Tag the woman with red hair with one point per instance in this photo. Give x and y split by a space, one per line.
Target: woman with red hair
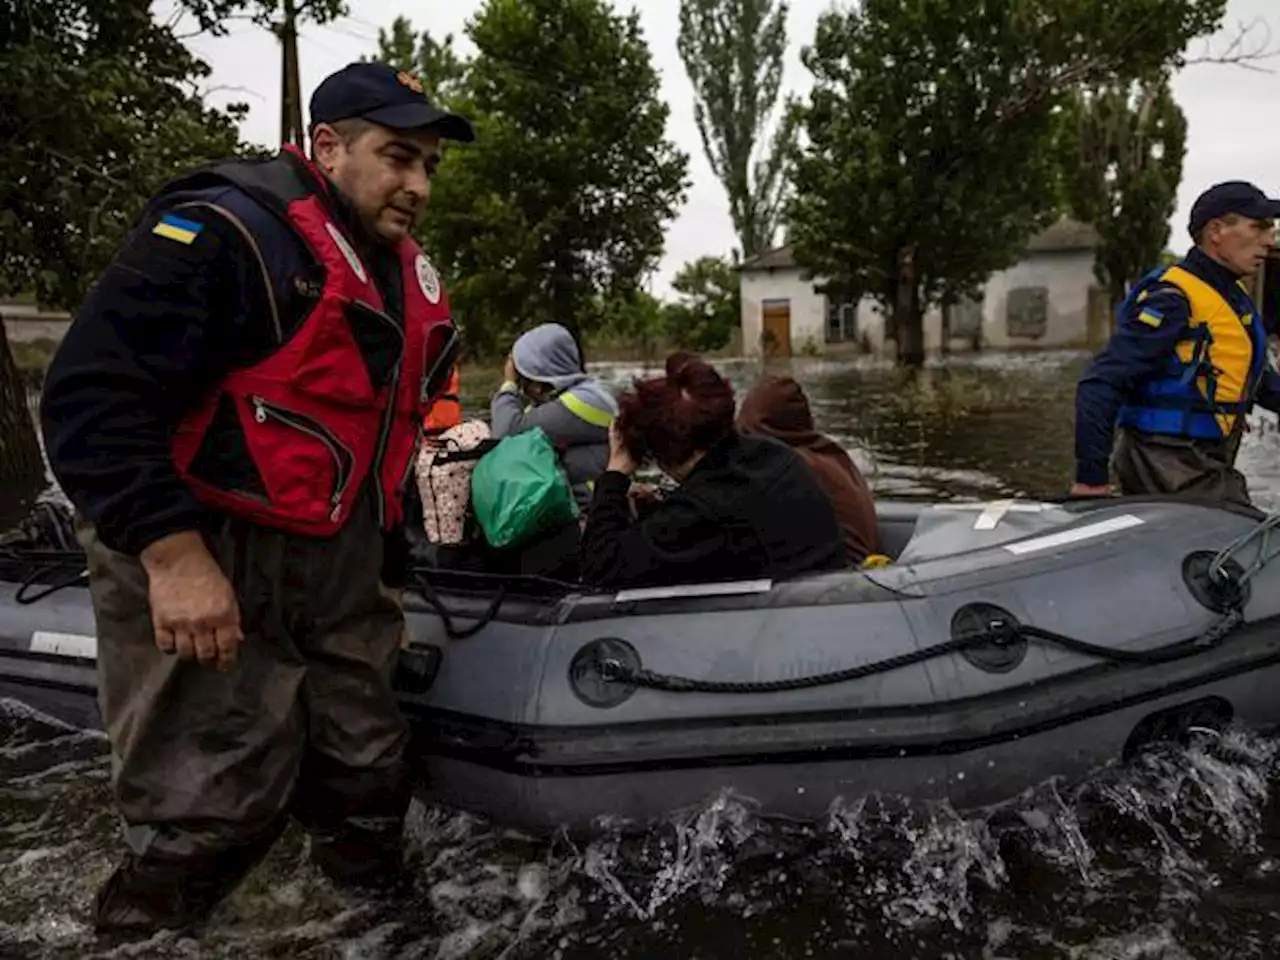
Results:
746 507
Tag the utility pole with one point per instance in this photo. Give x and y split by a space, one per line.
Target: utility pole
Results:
290 85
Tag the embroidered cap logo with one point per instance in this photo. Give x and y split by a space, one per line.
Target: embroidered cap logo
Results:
409 80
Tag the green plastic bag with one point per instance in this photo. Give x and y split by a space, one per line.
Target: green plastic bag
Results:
519 492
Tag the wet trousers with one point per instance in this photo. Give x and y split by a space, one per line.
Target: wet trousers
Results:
1154 464
207 767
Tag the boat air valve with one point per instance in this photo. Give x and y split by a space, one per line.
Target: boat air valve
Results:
1220 590
597 670
1004 647
417 667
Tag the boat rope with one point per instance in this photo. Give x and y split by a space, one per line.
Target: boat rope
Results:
420 578
1000 633
55 561
22 596
1217 567
428 593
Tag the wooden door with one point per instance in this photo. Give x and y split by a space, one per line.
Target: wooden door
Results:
775 334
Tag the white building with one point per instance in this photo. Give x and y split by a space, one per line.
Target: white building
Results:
1048 299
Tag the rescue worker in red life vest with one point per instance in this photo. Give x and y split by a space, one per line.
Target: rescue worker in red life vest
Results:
1187 361
234 413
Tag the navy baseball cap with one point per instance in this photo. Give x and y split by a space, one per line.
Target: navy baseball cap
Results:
1234 196
386 96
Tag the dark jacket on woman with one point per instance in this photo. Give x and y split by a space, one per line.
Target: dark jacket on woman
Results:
750 509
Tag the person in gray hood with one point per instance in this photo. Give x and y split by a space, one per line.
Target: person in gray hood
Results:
546 385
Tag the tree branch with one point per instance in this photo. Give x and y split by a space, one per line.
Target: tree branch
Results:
1238 54
201 31
233 88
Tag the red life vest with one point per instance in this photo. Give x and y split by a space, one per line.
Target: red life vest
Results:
315 424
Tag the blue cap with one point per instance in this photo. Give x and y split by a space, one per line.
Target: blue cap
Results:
386 96
1234 196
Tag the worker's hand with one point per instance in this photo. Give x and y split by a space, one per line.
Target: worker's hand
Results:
1089 490
620 458
509 370
642 496
644 493
193 606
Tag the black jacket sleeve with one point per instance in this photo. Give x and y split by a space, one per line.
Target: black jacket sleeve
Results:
662 548
158 329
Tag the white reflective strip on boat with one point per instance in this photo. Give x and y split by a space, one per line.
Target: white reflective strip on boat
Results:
993 511
64 644
734 588
1122 522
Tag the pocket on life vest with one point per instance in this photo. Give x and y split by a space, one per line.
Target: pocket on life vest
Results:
311 469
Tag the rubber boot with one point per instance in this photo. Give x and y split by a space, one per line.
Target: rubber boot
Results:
363 863
155 892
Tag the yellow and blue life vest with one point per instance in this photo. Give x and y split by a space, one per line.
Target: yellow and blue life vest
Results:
1211 378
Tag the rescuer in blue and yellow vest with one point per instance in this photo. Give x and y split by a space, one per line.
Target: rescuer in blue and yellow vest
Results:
1185 364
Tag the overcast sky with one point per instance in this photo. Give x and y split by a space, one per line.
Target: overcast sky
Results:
1234 115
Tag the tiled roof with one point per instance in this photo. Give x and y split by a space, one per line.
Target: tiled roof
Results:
1066 234
779 258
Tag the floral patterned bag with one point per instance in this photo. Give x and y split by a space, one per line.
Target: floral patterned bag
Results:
444 469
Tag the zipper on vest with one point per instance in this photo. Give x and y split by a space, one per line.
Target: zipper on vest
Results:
388 417
413 457
343 459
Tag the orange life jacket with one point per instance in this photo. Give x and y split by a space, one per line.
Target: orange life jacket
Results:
446 409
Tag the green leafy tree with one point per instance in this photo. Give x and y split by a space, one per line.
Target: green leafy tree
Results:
1122 147
560 205
639 321
732 51
930 155
96 111
215 15
709 309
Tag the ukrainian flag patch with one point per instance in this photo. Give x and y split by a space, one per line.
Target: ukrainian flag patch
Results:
173 227
1151 318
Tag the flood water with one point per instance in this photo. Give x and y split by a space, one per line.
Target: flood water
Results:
1173 857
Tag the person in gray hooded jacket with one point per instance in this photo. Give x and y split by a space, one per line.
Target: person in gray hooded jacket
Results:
545 385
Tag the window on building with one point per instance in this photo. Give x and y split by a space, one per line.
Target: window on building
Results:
842 320
965 319
1027 312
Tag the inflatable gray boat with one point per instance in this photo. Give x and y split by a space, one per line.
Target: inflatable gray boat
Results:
1008 642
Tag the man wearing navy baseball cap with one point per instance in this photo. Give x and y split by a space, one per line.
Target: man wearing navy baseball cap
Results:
377 137
1185 364
235 414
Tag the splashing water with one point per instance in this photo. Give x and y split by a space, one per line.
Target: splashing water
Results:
1171 856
